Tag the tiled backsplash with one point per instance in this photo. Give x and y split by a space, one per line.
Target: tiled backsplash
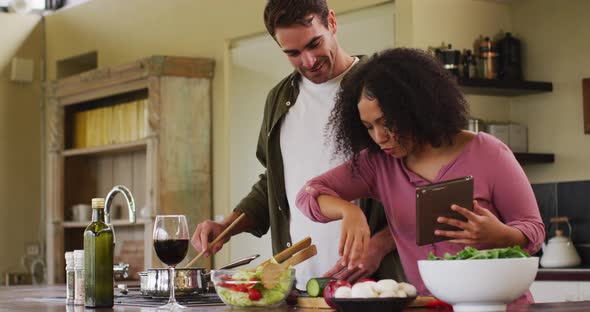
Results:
567 199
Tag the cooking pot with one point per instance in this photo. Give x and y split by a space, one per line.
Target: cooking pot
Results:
187 281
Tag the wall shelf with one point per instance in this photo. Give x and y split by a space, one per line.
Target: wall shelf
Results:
106 149
503 88
534 158
156 139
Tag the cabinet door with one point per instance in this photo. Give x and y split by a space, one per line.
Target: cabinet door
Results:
584 290
556 291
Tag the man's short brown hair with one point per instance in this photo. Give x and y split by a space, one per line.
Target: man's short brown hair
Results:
283 13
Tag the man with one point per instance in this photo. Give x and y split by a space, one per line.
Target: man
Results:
292 147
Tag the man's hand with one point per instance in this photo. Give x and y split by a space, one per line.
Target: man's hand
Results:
379 245
206 232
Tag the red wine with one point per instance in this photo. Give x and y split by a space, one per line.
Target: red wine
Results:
171 251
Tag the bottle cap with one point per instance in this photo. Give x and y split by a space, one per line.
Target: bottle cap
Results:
79 259
98 203
69 255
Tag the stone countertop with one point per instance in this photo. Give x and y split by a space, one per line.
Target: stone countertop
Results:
20 298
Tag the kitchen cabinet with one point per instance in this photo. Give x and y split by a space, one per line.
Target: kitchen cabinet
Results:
493 87
560 291
166 161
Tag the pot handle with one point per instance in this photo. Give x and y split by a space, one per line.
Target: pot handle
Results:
239 262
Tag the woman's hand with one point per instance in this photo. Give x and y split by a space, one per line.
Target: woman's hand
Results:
380 244
354 237
481 227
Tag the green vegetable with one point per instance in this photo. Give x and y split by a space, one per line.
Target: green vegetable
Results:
470 253
315 286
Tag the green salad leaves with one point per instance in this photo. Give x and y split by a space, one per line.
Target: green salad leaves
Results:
470 253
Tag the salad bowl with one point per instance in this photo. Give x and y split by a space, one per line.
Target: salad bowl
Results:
244 288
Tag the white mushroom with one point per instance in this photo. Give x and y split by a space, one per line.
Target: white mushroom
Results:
363 290
388 294
343 292
401 294
386 285
409 289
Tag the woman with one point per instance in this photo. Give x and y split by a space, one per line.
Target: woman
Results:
399 120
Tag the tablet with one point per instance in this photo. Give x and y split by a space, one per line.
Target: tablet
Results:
435 200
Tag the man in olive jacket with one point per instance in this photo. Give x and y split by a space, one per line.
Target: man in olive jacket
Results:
305 31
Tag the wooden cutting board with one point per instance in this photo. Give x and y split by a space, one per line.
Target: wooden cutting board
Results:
312 302
320 303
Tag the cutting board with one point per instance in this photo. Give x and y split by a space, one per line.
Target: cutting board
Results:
320 303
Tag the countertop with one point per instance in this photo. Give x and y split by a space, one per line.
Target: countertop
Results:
22 298
581 273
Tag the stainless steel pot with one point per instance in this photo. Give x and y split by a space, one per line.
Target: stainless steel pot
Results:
187 281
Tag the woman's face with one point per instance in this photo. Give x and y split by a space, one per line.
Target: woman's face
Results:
372 118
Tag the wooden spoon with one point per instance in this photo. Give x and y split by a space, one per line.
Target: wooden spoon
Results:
271 271
217 239
285 254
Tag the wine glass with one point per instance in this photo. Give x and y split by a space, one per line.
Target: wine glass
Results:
171 240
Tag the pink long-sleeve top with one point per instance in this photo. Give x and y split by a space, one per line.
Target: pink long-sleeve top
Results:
500 185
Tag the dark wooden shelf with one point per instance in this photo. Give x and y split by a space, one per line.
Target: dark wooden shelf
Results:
534 158
503 87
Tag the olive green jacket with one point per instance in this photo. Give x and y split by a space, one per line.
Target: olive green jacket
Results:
267 201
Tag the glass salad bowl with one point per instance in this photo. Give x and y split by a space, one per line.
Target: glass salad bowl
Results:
244 287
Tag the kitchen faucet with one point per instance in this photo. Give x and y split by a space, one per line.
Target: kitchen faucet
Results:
109 200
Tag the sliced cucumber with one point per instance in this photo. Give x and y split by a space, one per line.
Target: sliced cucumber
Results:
315 286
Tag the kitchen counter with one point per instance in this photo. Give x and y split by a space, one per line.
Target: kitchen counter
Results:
564 274
22 298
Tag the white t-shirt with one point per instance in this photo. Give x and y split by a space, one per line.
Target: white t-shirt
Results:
307 153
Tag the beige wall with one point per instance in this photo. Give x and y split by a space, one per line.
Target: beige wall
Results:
556 41
122 31
20 141
427 23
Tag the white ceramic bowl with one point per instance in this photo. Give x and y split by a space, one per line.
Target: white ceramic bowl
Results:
478 285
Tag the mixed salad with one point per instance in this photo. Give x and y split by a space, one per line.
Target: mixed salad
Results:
245 289
470 253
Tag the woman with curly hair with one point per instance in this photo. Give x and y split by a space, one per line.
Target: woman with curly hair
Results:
399 120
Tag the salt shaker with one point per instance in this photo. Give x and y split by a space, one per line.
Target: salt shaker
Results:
70 277
79 277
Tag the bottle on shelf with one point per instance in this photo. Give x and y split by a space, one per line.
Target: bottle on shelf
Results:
487 60
469 65
509 63
98 259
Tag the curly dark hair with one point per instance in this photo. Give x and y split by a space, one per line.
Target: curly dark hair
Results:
420 100
282 13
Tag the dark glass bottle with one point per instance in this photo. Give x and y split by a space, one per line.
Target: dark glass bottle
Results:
98 259
466 64
509 63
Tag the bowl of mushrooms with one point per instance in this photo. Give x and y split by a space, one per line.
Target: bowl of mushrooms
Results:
368 295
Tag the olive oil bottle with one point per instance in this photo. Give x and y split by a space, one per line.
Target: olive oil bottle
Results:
98 259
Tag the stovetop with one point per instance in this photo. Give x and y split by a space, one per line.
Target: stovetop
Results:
135 298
